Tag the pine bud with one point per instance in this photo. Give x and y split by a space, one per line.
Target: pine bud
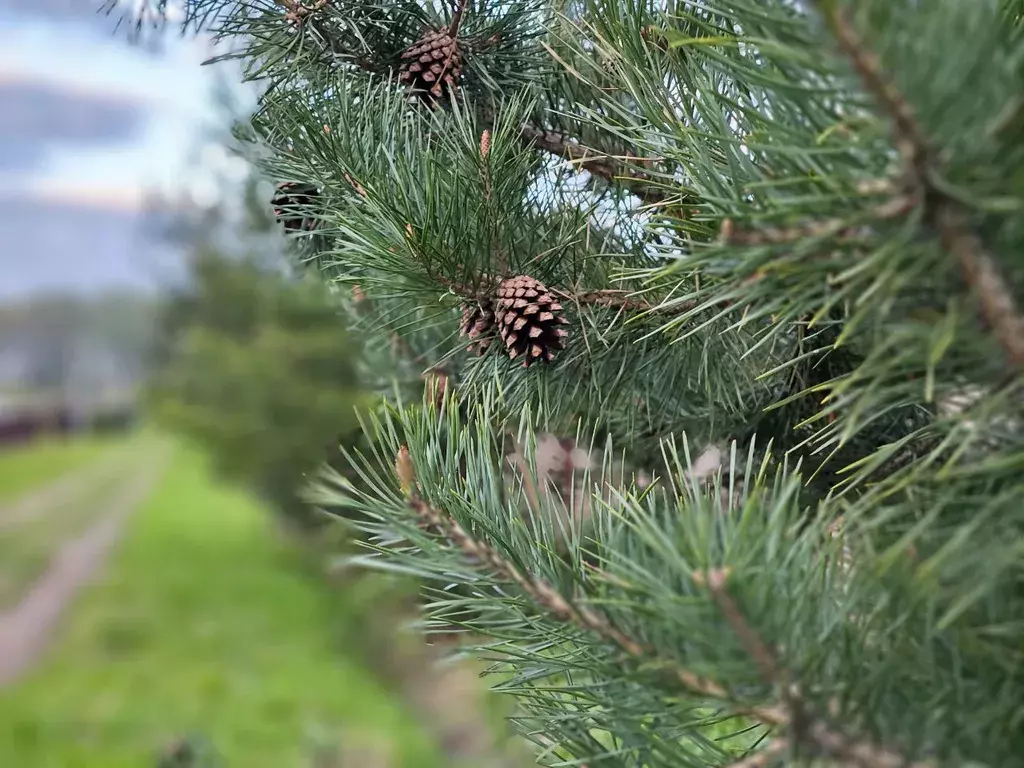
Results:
485 143
437 386
726 232
405 470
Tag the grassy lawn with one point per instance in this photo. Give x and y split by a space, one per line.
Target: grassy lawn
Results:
23 469
205 624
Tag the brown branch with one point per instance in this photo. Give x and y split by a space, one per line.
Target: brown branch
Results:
981 272
790 713
610 169
754 645
616 299
604 297
549 599
833 742
460 8
893 208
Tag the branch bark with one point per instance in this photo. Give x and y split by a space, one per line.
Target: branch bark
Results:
804 726
949 217
611 170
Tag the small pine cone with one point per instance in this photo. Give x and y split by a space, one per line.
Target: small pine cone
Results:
430 64
479 325
291 203
528 320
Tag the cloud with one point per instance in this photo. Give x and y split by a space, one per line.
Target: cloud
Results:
38 117
74 11
93 13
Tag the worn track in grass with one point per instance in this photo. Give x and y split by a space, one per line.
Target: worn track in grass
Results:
26 629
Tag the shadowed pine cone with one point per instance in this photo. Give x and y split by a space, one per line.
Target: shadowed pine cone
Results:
430 64
478 323
528 320
291 203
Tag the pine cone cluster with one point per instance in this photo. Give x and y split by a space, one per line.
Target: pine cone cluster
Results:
291 203
430 64
524 315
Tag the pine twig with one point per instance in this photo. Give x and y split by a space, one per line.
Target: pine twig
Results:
790 714
609 169
981 271
804 726
617 299
754 645
893 208
456 22
548 598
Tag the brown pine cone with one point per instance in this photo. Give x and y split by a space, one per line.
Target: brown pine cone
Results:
292 201
478 323
528 319
431 64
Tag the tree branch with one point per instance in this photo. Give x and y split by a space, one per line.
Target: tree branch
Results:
611 170
893 208
804 727
828 740
981 272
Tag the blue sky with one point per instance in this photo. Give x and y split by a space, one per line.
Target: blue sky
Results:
89 121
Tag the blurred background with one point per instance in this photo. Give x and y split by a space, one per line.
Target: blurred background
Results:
169 382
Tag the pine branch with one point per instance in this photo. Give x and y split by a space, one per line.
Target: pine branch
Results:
790 714
610 298
805 727
981 271
607 168
617 299
456 22
893 208
611 170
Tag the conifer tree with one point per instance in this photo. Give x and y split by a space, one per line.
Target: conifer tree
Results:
787 234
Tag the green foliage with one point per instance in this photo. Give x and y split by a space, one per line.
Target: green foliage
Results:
800 220
262 372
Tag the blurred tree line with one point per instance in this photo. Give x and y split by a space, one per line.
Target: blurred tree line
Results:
52 342
254 361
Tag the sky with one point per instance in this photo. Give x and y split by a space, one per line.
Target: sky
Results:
91 127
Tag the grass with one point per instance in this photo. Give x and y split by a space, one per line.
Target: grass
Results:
26 548
23 469
28 543
206 624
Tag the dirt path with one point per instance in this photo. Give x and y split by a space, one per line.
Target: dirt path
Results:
27 628
64 490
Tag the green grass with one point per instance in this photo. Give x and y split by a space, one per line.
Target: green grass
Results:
23 469
206 624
